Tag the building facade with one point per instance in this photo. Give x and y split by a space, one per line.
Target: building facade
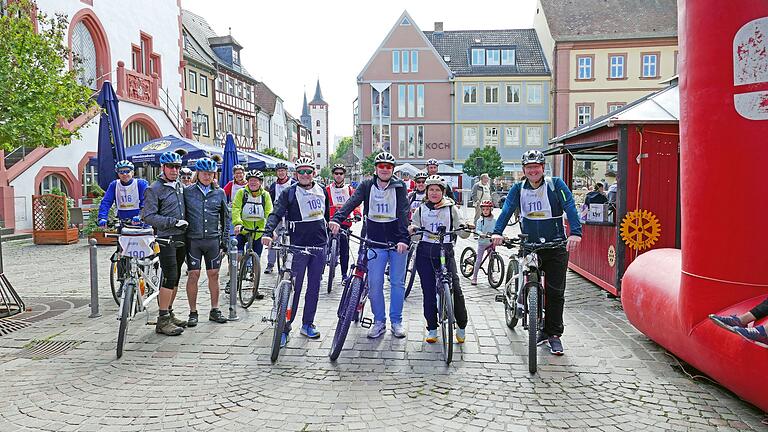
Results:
318 111
199 79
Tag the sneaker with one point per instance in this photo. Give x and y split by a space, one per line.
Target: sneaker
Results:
431 336
179 322
757 334
474 282
192 321
727 322
461 335
398 331
543 337
166 327
283 340
269 269
377 329
216 316
309 331
555 346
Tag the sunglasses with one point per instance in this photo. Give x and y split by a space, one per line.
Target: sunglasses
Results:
338 173
305 171
173 166
186 177
124 172
384 166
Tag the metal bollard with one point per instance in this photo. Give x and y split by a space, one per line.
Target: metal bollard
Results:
94 280
233 280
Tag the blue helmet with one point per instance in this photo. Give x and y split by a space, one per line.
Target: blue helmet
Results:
206 164
170 157
123 164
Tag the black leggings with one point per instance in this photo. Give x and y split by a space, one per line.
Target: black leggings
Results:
171 260
760 311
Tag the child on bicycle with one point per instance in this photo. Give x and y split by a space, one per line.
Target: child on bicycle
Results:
251 206
483 225
438 211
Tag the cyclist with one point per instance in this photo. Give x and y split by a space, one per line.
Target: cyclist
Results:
164 210
438 211
419 193
185 175
237 183
542 201
339 193
251 206
432 170
207 234
305 206
277 187
386 212
483 225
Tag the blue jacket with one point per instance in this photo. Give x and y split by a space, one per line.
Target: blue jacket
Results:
208 215
302 234
109 200
561 201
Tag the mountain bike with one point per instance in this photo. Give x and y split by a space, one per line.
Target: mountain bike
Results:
410 267
334 240
355 294
524 293
495 265
249 271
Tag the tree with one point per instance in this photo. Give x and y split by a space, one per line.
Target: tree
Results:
492 163
367 164
345 145
325 172
272 152
39 91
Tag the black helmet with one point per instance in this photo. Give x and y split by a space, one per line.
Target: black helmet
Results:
281 165
533 156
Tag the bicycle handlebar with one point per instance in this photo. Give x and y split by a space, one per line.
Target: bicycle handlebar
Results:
373 243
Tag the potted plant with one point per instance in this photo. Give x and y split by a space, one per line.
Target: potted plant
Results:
92 228
51 223
94 191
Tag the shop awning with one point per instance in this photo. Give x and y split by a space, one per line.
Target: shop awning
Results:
596 149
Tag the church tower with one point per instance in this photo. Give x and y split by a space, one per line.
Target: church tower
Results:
318 112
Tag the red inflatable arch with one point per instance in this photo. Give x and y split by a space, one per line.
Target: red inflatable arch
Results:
722 267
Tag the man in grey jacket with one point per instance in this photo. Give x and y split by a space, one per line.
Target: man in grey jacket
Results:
209 221
164 210
481 191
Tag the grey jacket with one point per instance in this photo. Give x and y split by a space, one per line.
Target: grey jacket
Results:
208 215
164 206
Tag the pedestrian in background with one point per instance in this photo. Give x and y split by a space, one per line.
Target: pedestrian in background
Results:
481 191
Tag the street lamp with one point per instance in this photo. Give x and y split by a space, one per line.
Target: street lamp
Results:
197 120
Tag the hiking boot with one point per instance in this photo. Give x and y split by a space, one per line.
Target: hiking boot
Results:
192 321
166 327
555 345
461 335
757 334
431 336
216 316
309 331
727 322
541 338
398 330
177 321
269 269
377 329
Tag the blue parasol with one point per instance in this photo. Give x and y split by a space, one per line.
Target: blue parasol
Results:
111 148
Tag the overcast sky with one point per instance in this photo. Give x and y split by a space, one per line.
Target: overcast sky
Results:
290 44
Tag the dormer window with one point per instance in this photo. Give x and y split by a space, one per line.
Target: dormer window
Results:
493 56
507 57
478 57
235 57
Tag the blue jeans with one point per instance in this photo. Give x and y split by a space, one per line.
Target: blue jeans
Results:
376 266
313 266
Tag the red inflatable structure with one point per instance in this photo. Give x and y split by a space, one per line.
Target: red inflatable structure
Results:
722 266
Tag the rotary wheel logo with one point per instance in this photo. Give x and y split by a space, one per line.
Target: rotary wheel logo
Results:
640 229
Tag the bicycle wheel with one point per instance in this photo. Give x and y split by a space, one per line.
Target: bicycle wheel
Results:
446 322
351 299
333 259
495 270
511 294
248 279
126 307
114 283
410 271
284 296
533 321
467 266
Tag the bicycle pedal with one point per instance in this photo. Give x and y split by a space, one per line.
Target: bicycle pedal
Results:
366 323
499 298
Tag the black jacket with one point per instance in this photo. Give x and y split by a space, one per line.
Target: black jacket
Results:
303 233
208 215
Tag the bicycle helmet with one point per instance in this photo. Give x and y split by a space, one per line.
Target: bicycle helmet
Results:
238 167
433 162
384 157
533 156
254 174
436 180
185 172
206 165
305 162
123 164
339 166
420 176
170 158
281 165
486 203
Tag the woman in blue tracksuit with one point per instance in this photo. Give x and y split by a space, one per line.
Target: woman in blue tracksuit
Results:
305 206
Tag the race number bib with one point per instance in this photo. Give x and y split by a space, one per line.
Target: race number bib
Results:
311 203
534 204
433 220
417 201
253 209
127 197
137 246
339 195
382 205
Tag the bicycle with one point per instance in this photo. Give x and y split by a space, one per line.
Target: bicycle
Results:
332 260
118 269
249 271
445 317
141 248
355 294
524 292
282 294
495 270
410 269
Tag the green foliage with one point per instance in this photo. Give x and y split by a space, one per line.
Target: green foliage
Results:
325 172
345 146
492 165
95 191
39 90
272 152
367 165
92 224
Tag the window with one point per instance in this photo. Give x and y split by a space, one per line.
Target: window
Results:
492 57
583 114
533 136
411 101
491 94
404 65
470 93
613 106
491 136
401 145
534 93
401 100
395 61
411 141
414 61
231 86
230 122
317 132
203 85
90 177
239 124
192 82
51 182
135 133
203 125
512 136
513 93
84 49
584 67
617 62
469 136
674 71
235 57
420 141
382 97
478 57
219 121
650 65
318 155
317 123
219 84
248 92
507 57
420 100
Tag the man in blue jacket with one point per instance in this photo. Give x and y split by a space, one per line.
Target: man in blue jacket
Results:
127 193
542 202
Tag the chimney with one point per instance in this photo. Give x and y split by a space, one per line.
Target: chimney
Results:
438 26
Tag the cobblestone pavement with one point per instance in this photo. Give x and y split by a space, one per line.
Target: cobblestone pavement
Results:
611 378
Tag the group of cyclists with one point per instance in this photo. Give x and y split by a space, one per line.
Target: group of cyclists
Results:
199 217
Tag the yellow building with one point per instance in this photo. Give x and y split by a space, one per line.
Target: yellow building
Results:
199 80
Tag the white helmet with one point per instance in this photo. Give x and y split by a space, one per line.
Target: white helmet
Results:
436 180
305 162
384 157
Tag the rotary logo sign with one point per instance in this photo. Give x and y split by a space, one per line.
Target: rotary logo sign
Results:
156 146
